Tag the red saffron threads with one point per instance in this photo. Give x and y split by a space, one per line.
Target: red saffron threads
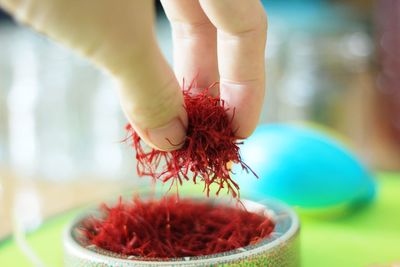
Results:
168 228
209 148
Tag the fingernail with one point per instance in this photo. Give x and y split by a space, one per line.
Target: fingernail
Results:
168 137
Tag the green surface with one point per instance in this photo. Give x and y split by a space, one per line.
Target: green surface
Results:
370 235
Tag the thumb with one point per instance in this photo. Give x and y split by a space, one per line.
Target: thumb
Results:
152 100
118 38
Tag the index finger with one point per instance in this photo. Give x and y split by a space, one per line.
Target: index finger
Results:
242 30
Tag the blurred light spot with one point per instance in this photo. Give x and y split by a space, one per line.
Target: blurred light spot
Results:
21 104
359 44
107 153
27 210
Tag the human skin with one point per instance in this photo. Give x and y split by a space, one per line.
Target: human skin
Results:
214 40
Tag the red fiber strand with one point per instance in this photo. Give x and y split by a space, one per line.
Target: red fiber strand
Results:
168 228
209 148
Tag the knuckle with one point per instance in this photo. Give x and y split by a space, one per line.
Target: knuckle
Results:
193 29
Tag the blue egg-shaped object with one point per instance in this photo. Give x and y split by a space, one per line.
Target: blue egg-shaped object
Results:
302 167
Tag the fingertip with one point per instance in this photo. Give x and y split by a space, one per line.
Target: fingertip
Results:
168 137
244 127
245 101
246 131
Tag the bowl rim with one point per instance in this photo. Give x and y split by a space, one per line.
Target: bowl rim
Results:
70 244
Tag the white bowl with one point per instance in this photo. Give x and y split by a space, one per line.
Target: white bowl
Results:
281 248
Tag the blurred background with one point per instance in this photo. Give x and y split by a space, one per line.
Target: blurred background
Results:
331 63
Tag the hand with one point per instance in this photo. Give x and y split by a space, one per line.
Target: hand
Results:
119 37
222 40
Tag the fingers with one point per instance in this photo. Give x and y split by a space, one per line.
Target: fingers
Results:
242 27
195 42
120 38
152 100
10 5
150 94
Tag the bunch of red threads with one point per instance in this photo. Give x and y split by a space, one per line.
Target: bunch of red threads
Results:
168 228
209 148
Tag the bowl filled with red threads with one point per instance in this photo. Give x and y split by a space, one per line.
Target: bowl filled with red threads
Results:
185 231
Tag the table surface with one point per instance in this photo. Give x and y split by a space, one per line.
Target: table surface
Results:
366 236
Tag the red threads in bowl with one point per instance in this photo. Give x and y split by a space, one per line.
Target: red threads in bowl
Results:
168 228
